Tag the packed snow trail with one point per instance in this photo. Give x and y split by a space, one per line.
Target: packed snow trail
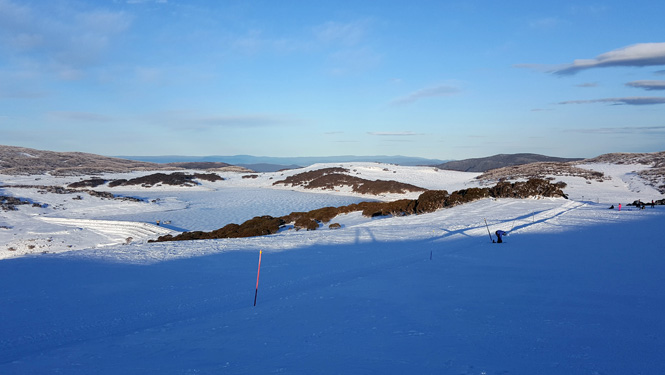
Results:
116 231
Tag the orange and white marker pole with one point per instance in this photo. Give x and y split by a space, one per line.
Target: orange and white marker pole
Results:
256 292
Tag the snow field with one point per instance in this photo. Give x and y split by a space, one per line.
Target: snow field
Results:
575 289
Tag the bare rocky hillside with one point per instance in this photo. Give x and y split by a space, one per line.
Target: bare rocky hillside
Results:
26 161
655 175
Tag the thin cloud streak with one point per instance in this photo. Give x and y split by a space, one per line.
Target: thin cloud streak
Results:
636 55
622 130
398 134
647 85
621 101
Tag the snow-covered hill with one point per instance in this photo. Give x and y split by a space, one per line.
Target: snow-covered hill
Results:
575 289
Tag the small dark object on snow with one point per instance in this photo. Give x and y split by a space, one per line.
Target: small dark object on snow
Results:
611 207
499 234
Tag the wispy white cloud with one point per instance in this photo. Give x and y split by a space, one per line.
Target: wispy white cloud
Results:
394 134
587 84
622 130
637 55
429 92
639 100
647 85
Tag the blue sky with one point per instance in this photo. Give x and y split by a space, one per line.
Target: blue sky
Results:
437 79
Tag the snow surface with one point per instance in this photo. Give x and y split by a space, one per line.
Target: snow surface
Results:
575 289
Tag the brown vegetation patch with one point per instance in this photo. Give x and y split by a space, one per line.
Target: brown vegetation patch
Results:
334 178
304 178
173 179
93 182
258 226
306 223
212 177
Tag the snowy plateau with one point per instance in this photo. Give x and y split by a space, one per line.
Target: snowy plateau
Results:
576 288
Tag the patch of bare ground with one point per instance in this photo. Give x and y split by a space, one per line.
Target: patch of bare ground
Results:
335 178
428 201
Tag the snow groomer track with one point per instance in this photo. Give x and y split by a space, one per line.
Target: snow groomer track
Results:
115 230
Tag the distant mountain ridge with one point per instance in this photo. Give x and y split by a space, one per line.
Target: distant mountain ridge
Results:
500 161
273 164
